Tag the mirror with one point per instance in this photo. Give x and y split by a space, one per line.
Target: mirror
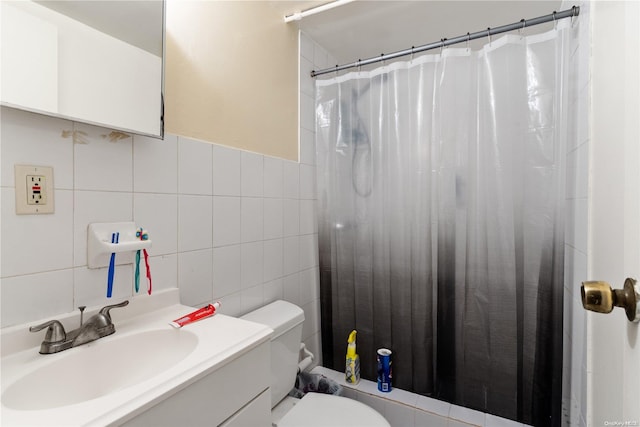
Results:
98 62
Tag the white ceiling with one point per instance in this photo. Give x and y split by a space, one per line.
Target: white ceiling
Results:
364 29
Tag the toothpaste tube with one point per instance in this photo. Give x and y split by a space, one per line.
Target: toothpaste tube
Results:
199 314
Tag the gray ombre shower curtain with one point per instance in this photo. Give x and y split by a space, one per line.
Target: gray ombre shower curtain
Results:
441 222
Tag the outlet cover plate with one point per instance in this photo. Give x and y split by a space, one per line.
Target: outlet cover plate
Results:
24 173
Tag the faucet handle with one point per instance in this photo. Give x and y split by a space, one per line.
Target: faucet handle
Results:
105 310
55 333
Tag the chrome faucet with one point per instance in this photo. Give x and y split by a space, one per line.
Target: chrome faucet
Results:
98 326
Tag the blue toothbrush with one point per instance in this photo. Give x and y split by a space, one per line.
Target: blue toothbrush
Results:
115 237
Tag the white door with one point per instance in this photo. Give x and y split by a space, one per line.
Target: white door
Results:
613 395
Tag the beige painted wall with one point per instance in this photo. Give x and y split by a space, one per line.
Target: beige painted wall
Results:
232 75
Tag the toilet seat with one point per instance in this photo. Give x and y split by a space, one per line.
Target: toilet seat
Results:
323 410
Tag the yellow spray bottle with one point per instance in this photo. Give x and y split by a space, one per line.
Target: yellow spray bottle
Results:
352 371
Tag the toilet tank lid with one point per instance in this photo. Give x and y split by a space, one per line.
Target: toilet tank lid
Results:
280 316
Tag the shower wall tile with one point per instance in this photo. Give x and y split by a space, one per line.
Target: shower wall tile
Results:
273 177
273 219
158 214
309 221
291 188
492 420
466 415
44 145
291 255
226 220
272 260
195 277
320 57
195 167
24 297
226 171
306 47
308 251
307 110
252 298
226 270
194 224
576 224
251 174
196 237
231 305
54 231
314 345
164 273
306 84
90 286
311 319
102 162
438 407
273 291
155 169
300 218
251 263
291 217
252 219
291 289
576 242
307 182
309 285
307 147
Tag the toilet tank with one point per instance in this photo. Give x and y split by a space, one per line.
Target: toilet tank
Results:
286 320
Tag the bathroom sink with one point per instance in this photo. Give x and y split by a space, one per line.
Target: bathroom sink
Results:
138 372
99 368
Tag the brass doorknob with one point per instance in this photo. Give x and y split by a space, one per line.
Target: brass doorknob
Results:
599 297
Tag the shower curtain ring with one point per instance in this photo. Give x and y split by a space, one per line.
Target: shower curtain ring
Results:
412 47
555 23
524 24
442 44
573 15
489 35
468 38
359 65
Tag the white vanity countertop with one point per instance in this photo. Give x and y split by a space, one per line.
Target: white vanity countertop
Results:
221 339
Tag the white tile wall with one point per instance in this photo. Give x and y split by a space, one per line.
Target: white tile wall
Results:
217 217
251 174
226 171
402 408
576 229
195 167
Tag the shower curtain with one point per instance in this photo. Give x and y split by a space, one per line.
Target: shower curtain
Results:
441 222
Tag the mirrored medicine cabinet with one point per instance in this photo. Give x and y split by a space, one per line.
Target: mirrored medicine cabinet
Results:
97 62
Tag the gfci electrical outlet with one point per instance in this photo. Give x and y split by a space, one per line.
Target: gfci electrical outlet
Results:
34 189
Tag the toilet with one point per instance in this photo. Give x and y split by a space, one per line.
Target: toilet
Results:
314 409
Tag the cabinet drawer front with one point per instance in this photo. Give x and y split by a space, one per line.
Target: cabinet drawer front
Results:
216 397
256 413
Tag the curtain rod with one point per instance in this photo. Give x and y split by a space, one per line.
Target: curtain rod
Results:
569 13
297 16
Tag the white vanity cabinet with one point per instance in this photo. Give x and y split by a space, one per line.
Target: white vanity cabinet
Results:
236 394
213 372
